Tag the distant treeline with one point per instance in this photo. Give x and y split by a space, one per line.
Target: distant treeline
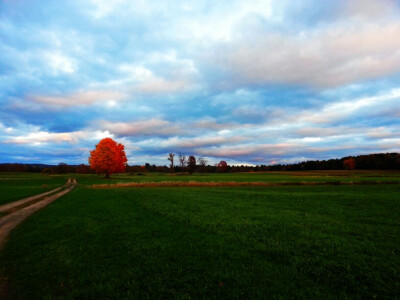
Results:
61 168
380 161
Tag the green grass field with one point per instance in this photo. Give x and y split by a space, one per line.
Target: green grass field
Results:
268 177
15 186
334 241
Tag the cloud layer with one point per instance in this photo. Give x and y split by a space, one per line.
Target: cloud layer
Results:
247 82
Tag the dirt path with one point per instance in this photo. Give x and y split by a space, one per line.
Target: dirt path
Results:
20 210
23 202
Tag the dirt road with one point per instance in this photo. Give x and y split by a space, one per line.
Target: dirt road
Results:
18 211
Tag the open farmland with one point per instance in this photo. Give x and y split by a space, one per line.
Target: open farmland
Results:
14 186
333 177
319 241
200 149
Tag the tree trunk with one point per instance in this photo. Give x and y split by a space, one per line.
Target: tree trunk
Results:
107 175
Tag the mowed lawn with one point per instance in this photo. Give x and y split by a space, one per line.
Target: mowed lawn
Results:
15 186
203 243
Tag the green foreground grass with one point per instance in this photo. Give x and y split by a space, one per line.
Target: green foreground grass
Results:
291 242
15 186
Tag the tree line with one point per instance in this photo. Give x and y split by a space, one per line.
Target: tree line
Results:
190 164
378 161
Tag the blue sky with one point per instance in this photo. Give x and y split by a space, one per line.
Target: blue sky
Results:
249 82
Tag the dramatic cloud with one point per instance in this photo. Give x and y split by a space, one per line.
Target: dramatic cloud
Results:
246 81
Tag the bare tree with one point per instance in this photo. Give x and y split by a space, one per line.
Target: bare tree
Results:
182 161
171 159
202 163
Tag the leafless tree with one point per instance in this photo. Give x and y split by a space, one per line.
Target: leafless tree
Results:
182 161
202 164
171 159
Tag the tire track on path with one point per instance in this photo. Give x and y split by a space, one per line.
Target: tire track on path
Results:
18 211
22 209
23 202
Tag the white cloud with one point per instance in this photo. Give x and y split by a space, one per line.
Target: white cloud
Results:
371 9
202 141
136 73
59 62
39 137
381 133
219 22
34 135
253 149
213 124
161 86
79 98
324 57
102 8
342 110
156 127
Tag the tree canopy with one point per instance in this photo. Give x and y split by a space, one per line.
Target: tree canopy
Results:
222 166
191 163
349 164
108 157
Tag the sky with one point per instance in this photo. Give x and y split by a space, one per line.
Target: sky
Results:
248 82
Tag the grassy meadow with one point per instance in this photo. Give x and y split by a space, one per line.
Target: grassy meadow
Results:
15 186
312 242
267 177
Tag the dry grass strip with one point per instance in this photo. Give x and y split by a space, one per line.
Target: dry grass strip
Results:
233 184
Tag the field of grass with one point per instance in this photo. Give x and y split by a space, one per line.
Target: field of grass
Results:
249 242
15 186
267 177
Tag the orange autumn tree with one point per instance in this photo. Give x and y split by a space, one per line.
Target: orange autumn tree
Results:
108 157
